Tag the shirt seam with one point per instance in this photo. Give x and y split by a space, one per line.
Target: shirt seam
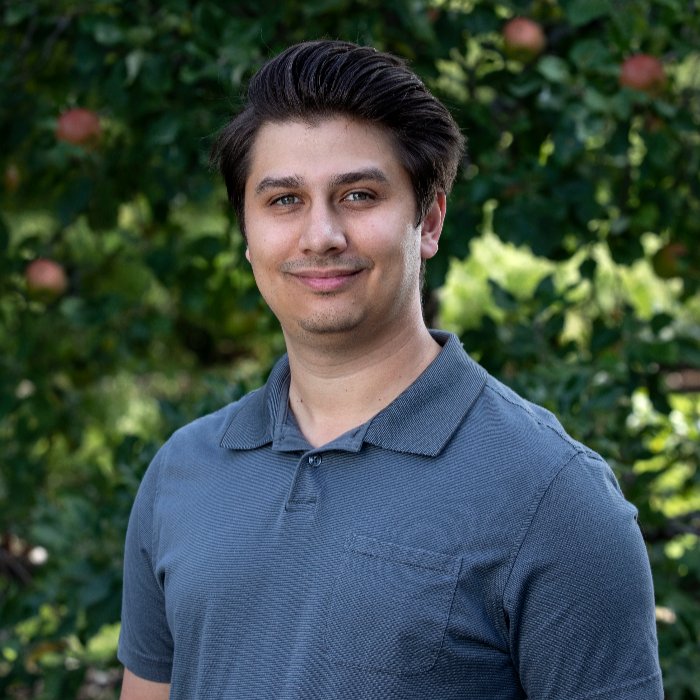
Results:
617 688
563 436
403 561
166 663
530 518
156 500
577 448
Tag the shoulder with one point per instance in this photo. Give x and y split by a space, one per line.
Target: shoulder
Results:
518 415
519 439
516 452
197 442
209 430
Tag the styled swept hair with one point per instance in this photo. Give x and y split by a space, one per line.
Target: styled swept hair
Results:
317 80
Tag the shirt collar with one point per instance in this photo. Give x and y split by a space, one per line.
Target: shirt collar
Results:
421 420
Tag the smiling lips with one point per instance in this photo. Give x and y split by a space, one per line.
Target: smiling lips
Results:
326 279
325 275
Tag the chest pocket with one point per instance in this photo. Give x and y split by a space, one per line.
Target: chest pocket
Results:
390 606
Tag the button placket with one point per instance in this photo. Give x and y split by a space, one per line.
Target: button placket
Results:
304 490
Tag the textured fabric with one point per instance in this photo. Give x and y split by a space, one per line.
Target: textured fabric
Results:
458 545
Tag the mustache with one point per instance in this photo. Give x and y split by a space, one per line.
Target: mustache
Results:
343 263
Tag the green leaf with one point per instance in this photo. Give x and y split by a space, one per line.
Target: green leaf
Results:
133 61
597 101
554 69
164 131
590 54
580 12
17 12
108 33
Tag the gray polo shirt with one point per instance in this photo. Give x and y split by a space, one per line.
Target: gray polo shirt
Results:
457 545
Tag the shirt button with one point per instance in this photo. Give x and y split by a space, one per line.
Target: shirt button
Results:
315 461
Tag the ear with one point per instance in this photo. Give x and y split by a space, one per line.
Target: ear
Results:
247 253
431 227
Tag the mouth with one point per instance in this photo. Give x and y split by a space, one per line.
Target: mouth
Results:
326 279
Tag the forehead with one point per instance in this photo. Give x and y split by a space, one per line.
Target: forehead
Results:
321 146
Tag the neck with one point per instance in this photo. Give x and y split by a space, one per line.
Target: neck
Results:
336 387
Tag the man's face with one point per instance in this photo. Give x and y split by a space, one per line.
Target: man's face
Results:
330 226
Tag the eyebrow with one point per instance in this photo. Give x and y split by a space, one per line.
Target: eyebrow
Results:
269 183
373 174
294 181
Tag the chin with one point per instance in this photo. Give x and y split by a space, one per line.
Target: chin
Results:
329 325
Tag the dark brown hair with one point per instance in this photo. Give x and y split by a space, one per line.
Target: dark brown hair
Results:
321 79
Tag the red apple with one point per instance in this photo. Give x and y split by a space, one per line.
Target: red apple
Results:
523 38
669 261
46 279
78 126
12 178
643 72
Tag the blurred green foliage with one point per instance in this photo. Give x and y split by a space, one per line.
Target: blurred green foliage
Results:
569 266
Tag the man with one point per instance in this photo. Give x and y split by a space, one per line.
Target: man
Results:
382 519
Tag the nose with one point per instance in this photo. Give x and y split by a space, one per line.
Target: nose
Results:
323 231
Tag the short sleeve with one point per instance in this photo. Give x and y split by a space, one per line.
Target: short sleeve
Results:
579 599
145 642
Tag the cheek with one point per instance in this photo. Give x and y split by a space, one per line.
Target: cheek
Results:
411 246
260 248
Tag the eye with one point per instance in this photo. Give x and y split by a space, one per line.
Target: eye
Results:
286 200
358 197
